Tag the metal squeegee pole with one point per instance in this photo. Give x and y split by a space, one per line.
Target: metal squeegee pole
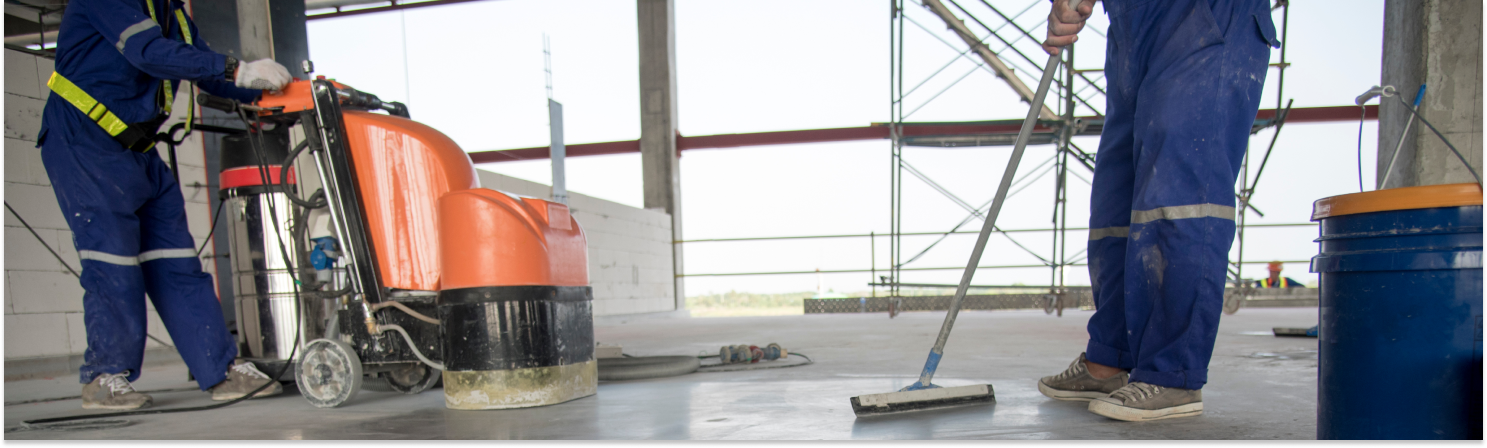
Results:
991 216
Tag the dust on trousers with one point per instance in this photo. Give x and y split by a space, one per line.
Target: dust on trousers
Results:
1184 84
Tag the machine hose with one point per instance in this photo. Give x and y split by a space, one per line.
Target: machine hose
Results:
411 345
405 309
284 178
646 367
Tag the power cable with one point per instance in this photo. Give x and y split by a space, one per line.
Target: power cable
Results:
1437 134
64 262
1361 117
735 367
216 216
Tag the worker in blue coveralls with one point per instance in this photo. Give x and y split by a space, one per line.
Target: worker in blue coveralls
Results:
1184 81
118 65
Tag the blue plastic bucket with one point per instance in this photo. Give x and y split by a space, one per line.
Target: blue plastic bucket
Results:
1400 346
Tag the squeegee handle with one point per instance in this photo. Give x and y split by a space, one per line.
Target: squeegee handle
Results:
1023 135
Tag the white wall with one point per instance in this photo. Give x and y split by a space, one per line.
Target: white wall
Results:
43 302
629 248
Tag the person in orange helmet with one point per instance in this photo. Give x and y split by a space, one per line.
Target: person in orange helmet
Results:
1276 281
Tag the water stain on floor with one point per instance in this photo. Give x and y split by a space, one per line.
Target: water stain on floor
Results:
1293 354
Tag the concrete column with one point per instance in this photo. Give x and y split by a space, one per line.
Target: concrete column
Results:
1437 43
247 30
658 130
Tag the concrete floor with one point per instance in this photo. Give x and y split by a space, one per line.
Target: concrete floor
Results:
1261 387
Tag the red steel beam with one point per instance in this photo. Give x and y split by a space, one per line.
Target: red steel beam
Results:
586 149
875 132
1323 114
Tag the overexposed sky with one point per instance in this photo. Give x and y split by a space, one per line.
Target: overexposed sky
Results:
475 71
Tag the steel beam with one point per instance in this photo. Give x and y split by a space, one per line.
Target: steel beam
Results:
878 131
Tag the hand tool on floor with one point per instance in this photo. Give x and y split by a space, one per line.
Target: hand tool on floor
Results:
1296 331
923 395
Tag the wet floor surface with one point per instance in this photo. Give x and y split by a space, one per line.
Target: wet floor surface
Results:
1260 387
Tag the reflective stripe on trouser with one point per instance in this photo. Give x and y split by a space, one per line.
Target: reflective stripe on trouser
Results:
1182 95
128 221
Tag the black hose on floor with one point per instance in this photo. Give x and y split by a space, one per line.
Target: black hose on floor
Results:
646 367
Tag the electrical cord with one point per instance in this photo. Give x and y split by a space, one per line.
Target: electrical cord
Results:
46 423
1437 134
216 216
38 239
752 366
1363 116
64 262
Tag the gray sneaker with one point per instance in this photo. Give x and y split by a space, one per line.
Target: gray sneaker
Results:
1076 384
113 391
242 378
1139 402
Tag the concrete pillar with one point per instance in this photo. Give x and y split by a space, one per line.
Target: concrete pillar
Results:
1437 43
658 152
247 30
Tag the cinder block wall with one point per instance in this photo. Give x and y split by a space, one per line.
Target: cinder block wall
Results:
43 302
629 248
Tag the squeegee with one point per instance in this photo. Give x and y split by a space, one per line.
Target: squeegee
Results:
923 394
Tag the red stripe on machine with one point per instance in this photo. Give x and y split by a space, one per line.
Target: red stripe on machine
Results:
251 176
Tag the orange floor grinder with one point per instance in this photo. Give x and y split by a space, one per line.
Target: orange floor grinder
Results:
419 275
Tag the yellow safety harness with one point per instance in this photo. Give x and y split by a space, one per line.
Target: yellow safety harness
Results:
132 136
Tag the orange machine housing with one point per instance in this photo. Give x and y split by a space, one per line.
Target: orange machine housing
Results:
431 226
295 97
403 167
493 239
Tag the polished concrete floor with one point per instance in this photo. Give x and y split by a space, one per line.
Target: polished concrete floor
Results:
1261 387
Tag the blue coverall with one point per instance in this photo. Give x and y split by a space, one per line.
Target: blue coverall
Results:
1184 82
125 210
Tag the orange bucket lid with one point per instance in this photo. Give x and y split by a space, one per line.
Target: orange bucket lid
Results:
1407 198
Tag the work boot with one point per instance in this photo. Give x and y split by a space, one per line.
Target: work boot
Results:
242 378
113 391
1076 384
1138 401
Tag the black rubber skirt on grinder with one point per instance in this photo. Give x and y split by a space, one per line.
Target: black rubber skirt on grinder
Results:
517 346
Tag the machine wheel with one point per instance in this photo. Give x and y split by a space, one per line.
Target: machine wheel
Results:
329 373
1050 304
1232 300
412 378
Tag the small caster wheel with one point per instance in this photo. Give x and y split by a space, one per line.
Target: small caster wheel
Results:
1232 301
1050 304
412 378
329 373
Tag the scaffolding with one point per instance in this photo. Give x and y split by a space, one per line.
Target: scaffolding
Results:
1075 91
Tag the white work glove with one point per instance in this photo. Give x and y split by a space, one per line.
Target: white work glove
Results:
262 74
1064 24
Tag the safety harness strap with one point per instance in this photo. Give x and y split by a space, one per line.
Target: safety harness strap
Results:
134 137
138 136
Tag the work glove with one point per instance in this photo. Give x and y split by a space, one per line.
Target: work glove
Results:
1064 24
262 74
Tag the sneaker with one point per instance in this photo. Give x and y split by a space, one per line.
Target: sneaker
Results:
1141 402
1076 384
113 391
242 378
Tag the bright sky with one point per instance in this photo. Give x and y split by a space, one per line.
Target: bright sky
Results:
475 71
